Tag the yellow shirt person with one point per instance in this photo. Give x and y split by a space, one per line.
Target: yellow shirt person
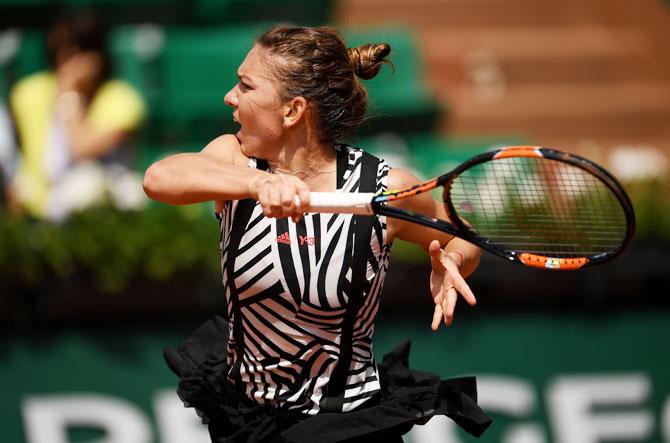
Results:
41 115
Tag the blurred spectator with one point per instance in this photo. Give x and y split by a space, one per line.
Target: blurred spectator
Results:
69 118
8 152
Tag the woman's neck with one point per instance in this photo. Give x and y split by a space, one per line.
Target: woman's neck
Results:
314 163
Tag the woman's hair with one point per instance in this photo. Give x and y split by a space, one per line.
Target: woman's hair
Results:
316 64
80 31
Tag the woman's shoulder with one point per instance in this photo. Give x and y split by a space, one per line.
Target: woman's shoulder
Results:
356 152
347 147
40 85
226 149
118 86
37 78
117 105
399 178
396 177
122 92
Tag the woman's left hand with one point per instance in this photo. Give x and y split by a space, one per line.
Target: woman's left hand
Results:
446 283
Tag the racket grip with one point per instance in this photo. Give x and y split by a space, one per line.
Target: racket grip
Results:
359 203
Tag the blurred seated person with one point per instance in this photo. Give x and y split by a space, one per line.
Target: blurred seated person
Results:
8 153
70 116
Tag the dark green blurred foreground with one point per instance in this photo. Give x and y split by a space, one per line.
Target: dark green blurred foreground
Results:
560 378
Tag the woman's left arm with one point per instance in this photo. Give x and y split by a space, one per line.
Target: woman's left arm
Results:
451 258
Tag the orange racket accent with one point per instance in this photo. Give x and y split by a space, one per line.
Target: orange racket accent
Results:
422 187
542 262
519 151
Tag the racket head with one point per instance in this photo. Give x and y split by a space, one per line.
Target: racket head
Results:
540 207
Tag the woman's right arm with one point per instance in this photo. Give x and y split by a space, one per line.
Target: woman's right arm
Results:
219 172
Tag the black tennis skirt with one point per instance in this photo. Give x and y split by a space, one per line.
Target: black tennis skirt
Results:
407 398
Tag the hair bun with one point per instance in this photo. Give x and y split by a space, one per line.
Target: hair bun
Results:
366 60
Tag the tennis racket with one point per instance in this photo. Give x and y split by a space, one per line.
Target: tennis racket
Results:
536 206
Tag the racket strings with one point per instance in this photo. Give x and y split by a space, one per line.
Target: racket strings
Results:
540 206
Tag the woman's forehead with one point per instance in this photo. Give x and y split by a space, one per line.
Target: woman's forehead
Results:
257 64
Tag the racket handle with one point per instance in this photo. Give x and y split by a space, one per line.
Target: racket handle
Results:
341 202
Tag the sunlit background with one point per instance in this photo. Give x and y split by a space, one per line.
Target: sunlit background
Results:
92 291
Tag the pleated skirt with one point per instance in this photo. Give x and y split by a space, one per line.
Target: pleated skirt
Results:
407 397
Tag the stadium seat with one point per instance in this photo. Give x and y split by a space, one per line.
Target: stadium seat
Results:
192 69
429 155
185 77
303 12
38 13
25 53
399 101
435 155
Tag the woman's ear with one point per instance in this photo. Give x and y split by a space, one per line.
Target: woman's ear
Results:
294 111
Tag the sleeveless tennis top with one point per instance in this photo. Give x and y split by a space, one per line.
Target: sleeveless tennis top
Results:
288 289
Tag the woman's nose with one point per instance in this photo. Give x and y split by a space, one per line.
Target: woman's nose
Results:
231 98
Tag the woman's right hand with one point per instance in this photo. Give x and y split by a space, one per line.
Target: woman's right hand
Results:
277 195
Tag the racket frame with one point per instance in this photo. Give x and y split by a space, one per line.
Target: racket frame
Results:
458 228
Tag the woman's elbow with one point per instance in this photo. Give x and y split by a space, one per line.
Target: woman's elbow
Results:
154 183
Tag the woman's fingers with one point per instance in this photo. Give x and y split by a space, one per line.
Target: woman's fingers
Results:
446 283
445 304
288 192
437 317
263 197
275 202
449 305
277 195
303 196
301 199
463 288
435 251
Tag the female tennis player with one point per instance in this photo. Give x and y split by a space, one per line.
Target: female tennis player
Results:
293 360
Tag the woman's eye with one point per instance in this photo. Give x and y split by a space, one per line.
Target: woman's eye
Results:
244 86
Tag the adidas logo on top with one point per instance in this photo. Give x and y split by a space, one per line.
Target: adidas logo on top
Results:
303 239
284 238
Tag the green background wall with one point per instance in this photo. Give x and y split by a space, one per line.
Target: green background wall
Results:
533 369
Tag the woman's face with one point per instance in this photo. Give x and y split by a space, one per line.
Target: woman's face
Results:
257 106
80 70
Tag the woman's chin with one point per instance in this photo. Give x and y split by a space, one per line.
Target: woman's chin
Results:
245 149
240 139
250 147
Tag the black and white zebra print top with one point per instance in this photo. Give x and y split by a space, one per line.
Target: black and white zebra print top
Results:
287 287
